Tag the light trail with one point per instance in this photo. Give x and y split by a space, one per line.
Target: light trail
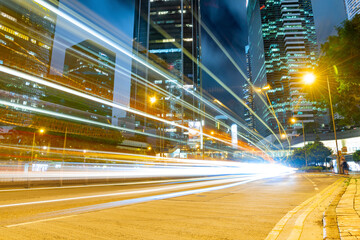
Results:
115 184
152 190
157 189
136 58
92 98
218 81
102 206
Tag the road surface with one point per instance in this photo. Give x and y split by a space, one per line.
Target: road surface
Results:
222 207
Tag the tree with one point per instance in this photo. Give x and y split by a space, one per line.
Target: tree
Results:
340 62
316 153
356 156
297 158
313 153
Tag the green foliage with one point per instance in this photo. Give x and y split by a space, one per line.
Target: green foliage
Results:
356 156
297 159
340 61
314 153
312 168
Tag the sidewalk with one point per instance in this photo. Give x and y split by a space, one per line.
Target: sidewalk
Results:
335 211
348 211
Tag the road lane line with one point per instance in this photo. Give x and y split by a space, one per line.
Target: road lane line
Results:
313 183
102 206
212 182
275 232
37 221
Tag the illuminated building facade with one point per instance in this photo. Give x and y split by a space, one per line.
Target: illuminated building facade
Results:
167 34
248 93
26 36
93 67
352 8
26 41
283 47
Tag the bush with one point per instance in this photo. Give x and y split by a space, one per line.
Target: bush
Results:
312 168
356 156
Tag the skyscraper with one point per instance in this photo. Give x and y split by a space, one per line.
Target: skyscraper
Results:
162 30
248 93
283 48
26 43
352 8
26 36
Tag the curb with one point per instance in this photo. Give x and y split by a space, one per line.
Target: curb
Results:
330 226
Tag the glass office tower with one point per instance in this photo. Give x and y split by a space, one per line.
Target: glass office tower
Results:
167 35
352 8
283 47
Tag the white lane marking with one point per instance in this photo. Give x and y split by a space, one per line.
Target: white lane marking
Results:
37 221
102 185
313 183
145 199
127 193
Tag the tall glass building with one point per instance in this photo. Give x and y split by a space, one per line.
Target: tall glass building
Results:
283 47
167 35
352 8
248 93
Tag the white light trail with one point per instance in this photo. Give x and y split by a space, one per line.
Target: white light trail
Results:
141 61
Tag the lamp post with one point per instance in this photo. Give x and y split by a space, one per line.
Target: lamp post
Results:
41 131
310 79
153 100
293 120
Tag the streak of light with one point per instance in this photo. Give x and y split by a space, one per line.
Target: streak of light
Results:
102 206
61 115
115 184
92 98
143 62
211 74
158 189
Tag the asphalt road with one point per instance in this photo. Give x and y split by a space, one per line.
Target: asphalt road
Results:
180 209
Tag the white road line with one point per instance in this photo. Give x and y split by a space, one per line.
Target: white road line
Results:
144 199
42 220
189 185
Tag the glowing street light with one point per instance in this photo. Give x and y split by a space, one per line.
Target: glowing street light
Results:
212 132
267 87
152 99
283 136
149 148
294 120
41 131
309 78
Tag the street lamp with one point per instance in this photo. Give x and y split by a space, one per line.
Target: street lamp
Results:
310 79
41 131
153 99
293 120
